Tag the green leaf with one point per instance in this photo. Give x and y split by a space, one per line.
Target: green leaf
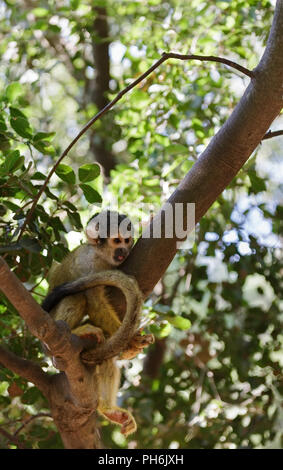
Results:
20 124
22 127
173 166
13 91
258 184
70 206
75 220
151 182
31 396
90 194
15 112
3 126
66 173
179 322
46 136
3 387
139 99
13 161
44 147
56 224
40 12
174 149
74 4
89 172
13 207
161 331
38 176
54 28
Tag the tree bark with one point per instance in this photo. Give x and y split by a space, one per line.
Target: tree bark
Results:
100 48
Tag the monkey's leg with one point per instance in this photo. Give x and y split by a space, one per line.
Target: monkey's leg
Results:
71 309
109 381
100 311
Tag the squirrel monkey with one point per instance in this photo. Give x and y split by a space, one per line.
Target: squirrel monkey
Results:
76 293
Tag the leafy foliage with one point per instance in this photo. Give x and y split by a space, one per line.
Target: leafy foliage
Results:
216 313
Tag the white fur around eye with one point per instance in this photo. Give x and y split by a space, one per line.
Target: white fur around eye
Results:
92 229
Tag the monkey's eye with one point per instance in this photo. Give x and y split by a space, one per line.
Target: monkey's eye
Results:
127 240
117 240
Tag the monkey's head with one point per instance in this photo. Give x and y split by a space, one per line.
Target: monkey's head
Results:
112 234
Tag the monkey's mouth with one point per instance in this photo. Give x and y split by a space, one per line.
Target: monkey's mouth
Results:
119 258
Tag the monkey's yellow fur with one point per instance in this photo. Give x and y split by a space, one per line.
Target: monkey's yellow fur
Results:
84 273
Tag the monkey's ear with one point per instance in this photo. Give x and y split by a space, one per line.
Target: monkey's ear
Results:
92 231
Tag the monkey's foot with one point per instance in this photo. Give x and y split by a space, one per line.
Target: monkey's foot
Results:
89 331
120 416
136 345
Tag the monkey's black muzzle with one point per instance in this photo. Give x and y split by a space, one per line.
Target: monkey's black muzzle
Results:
120 254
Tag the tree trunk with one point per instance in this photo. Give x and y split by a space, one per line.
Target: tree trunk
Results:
100 48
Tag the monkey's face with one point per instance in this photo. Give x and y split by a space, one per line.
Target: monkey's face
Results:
113 250
112 234
120 248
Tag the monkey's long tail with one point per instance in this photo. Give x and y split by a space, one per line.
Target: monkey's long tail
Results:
128 286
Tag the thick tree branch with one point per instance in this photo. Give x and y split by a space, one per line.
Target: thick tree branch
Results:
225 155
72 394
53 334
36 319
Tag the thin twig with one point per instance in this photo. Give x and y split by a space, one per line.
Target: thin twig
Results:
12 439
39 415
165 56
25 368
271 134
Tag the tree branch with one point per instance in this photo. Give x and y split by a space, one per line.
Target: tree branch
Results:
12 439
26 369
165 56
72 394
100 87
226 153
271 134
55 335
31 418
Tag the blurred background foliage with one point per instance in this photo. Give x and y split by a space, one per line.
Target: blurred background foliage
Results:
214 377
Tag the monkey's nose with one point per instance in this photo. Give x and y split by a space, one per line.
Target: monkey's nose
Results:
120 254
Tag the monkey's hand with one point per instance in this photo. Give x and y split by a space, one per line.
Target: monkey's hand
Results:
90 332
136 345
